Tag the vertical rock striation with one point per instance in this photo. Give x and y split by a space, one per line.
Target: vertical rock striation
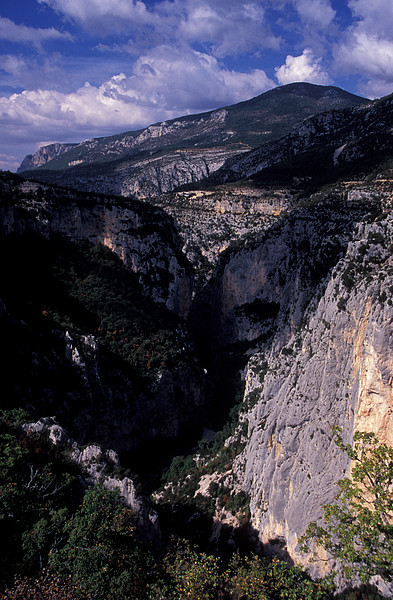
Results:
311 305
334 367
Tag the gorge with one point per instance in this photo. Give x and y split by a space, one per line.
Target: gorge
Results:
231 311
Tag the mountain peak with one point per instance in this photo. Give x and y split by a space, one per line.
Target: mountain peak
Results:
315 92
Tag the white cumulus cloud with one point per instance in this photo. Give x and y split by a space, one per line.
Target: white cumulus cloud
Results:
305 67
366 48
192 81
227 28
8 162
374 17
104 17
370 56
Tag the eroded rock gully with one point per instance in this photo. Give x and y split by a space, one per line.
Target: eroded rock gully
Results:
70 374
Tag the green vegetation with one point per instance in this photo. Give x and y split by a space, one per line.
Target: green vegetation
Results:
181 480
38 489
101 553
58 539
86 290
45 586
358 528
199 576
61 540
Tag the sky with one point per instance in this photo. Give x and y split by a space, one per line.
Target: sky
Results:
71 70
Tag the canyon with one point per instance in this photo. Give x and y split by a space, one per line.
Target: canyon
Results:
277 262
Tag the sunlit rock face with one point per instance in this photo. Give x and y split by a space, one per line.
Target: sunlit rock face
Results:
185 150
310 302
260 292
44 155
333 367
306 301
212 221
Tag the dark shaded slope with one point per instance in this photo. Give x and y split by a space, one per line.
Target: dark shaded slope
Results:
325 147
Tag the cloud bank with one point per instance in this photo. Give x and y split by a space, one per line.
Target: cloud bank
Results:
29 35
366 47
123 102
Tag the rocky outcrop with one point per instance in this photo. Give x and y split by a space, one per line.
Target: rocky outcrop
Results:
145 175
210 221
264 288
253 122
109 405
44 155
99 466
51 369
93 393
170 154
324 144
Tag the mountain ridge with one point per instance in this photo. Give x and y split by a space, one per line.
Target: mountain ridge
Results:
245 125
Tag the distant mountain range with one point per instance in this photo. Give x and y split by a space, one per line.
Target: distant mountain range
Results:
164 156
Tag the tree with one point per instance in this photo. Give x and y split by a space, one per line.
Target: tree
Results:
44 587
102 554
358 527
37 487
190 574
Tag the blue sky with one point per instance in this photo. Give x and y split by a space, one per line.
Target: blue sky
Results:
75 69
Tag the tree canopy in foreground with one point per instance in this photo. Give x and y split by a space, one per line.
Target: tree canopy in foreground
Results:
358 527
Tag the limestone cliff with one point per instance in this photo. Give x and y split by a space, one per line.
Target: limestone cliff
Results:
146 175
99 466
181 151
210 221
321 343
260 291
296 292
324 145
43 155
60 360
